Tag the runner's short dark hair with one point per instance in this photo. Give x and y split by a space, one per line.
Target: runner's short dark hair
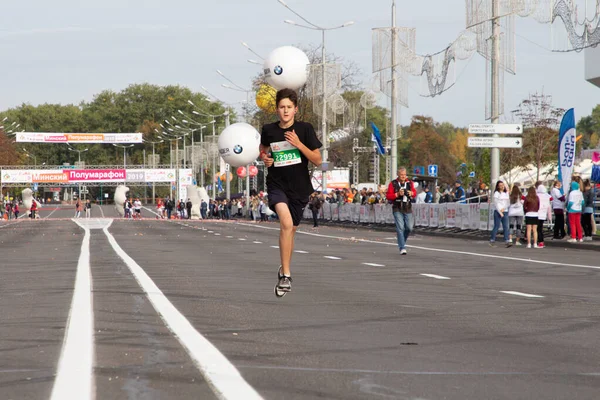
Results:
287 94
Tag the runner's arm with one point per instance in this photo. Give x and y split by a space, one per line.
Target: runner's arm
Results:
314 156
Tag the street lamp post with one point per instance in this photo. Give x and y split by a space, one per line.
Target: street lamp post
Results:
79 159
124 153
154 165
323 80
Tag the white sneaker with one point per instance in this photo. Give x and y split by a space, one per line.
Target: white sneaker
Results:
403 252
528 245
572 241
588 239
535 246
580 240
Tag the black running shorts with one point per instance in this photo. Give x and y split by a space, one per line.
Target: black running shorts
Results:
296 207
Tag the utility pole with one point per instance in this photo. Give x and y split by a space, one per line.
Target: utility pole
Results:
495 64
393 134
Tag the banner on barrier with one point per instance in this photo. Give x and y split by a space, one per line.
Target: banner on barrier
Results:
451 215
49 137
87 175
466 216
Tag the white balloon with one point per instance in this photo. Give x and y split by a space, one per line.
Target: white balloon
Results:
238 144
286 67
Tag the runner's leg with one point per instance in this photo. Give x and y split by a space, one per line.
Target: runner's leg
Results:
286 236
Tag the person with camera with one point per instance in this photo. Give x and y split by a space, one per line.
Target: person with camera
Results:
400 192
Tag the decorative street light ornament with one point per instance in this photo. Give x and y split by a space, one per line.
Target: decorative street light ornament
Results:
286 67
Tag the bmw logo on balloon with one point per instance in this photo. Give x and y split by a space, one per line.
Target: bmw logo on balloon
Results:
237 149
278 70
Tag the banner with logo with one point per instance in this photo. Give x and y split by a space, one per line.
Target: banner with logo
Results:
48 137
160 175
566 150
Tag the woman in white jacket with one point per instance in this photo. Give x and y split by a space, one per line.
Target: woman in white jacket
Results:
516 214
558 205
544 213
500 206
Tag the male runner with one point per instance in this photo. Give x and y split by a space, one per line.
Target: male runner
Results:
286 147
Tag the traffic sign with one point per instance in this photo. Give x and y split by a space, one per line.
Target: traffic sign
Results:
503 142
35 187
419 171
492 129
432 170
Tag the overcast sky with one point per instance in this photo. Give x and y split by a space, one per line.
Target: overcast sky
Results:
66 51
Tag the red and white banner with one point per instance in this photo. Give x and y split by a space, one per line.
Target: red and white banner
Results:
48 137
87 175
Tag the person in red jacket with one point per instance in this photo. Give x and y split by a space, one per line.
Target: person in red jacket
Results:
401 192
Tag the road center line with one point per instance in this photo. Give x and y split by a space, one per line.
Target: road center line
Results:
74 377
467 253
301 251
435 276
521 294
223 378
332 257
373 265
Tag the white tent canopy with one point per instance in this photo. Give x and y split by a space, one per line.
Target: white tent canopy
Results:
527 176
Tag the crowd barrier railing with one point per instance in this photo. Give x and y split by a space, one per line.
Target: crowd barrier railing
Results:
447 215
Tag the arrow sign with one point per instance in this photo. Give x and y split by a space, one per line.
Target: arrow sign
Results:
432 169
490 142
493 129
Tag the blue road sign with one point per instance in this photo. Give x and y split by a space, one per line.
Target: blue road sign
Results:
35 187
432 170
419 171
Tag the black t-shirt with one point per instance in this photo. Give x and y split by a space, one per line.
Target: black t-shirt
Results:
292 179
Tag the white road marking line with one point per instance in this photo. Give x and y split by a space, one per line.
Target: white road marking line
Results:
101 212
217 234
229 237
301 251
391 238
373 265
223 378
332 257
210 232
257 242
435 276
242 239
74 376
559 264
521 294
275 247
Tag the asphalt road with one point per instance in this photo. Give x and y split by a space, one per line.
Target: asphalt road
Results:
155 309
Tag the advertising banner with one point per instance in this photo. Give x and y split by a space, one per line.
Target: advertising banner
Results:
484 213
96 175
160 175
135 175
186 178
49 137
16 176
433 215
451 215
465 222
474 215
566 150
336 179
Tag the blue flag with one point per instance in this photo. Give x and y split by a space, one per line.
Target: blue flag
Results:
220 187
376 137
566 150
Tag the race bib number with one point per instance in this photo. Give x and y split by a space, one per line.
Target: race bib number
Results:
285 154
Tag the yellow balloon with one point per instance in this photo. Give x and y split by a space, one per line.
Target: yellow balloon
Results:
265 99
